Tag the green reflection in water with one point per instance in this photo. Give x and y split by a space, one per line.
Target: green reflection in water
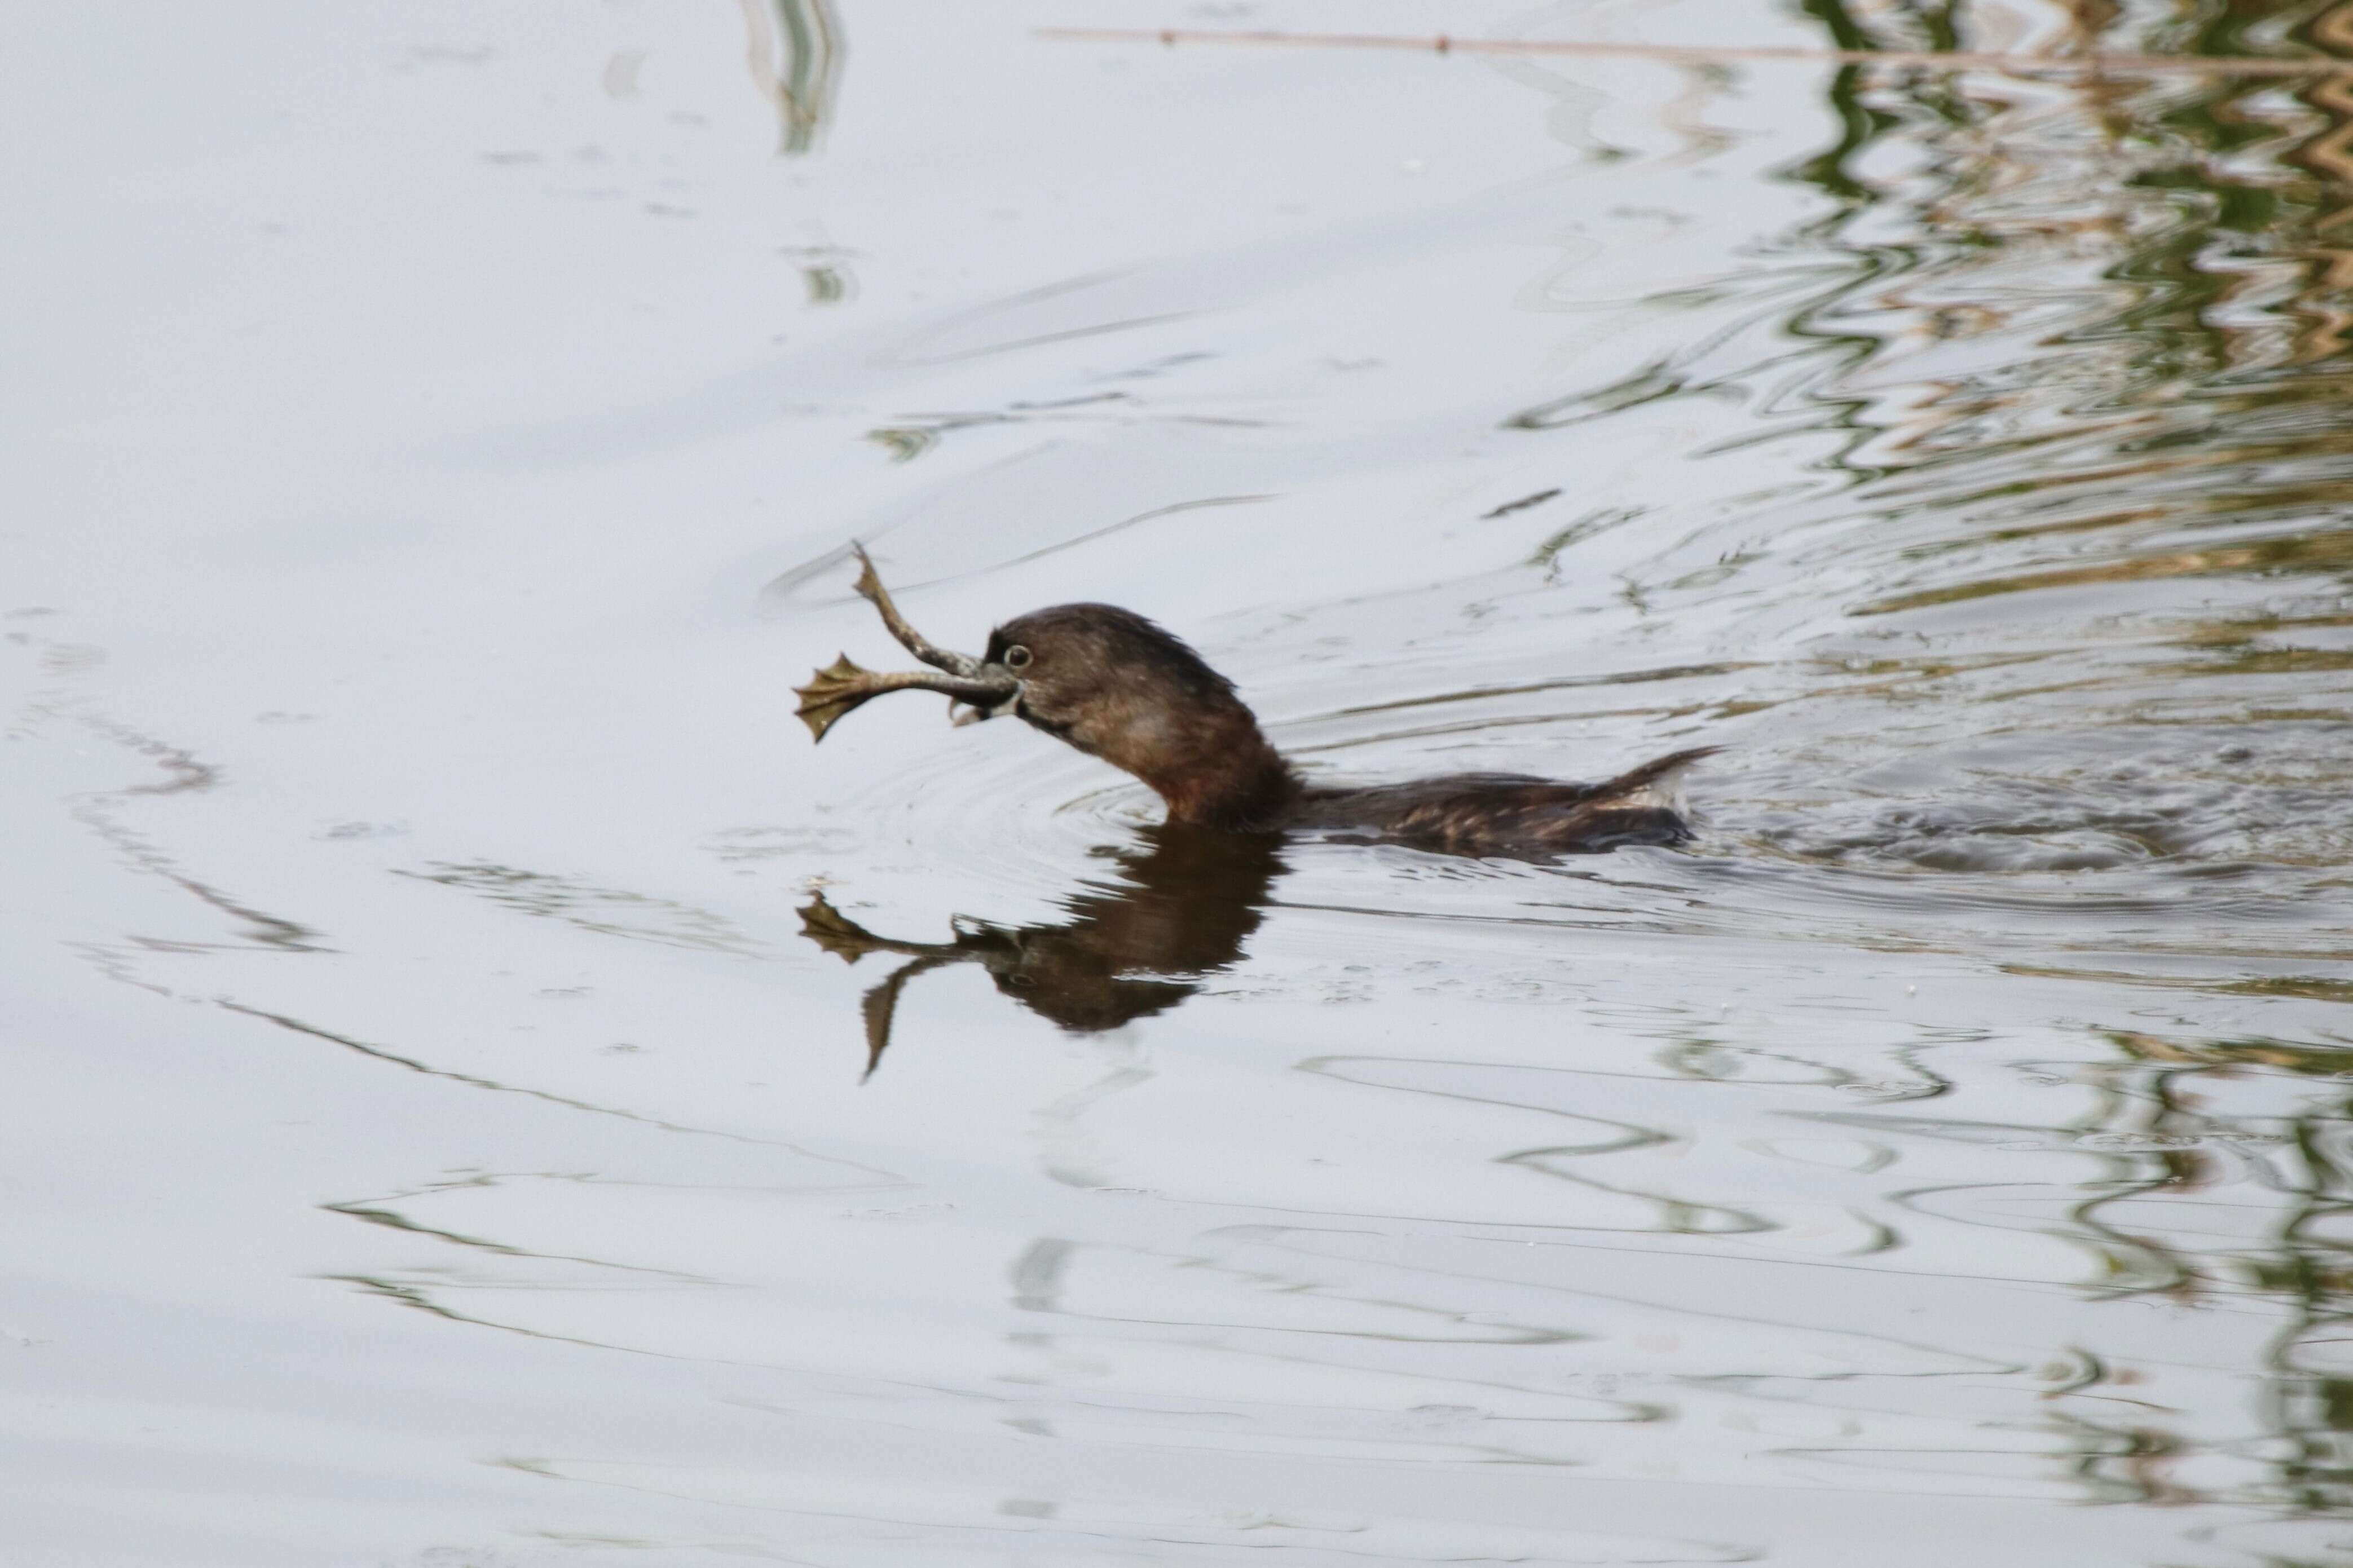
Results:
797 51
2173 1153
2119 312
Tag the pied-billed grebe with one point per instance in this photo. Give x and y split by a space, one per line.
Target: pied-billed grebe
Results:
1118 687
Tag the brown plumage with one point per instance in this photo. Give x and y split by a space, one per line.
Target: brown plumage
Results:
1115 686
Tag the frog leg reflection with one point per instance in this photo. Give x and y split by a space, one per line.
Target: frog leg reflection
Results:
849 941
880 1003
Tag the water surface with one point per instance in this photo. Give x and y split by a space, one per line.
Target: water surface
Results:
487 1093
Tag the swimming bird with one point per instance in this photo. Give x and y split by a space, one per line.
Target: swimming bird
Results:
1119 687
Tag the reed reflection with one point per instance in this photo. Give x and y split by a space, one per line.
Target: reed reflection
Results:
2173 253
1186 901
2155 274
2152 1224
796 49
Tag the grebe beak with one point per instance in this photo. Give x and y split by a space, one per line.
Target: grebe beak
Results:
966 711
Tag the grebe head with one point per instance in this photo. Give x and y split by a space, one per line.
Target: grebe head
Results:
1115 686
1102 679
1106 679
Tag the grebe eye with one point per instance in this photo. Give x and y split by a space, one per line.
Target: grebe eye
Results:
1017 657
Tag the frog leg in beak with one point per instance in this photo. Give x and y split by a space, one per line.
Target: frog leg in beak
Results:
834 692
870 585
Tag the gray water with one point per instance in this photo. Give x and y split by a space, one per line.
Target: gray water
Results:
441 1132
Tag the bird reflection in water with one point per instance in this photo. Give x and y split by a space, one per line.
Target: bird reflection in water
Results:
1185 901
